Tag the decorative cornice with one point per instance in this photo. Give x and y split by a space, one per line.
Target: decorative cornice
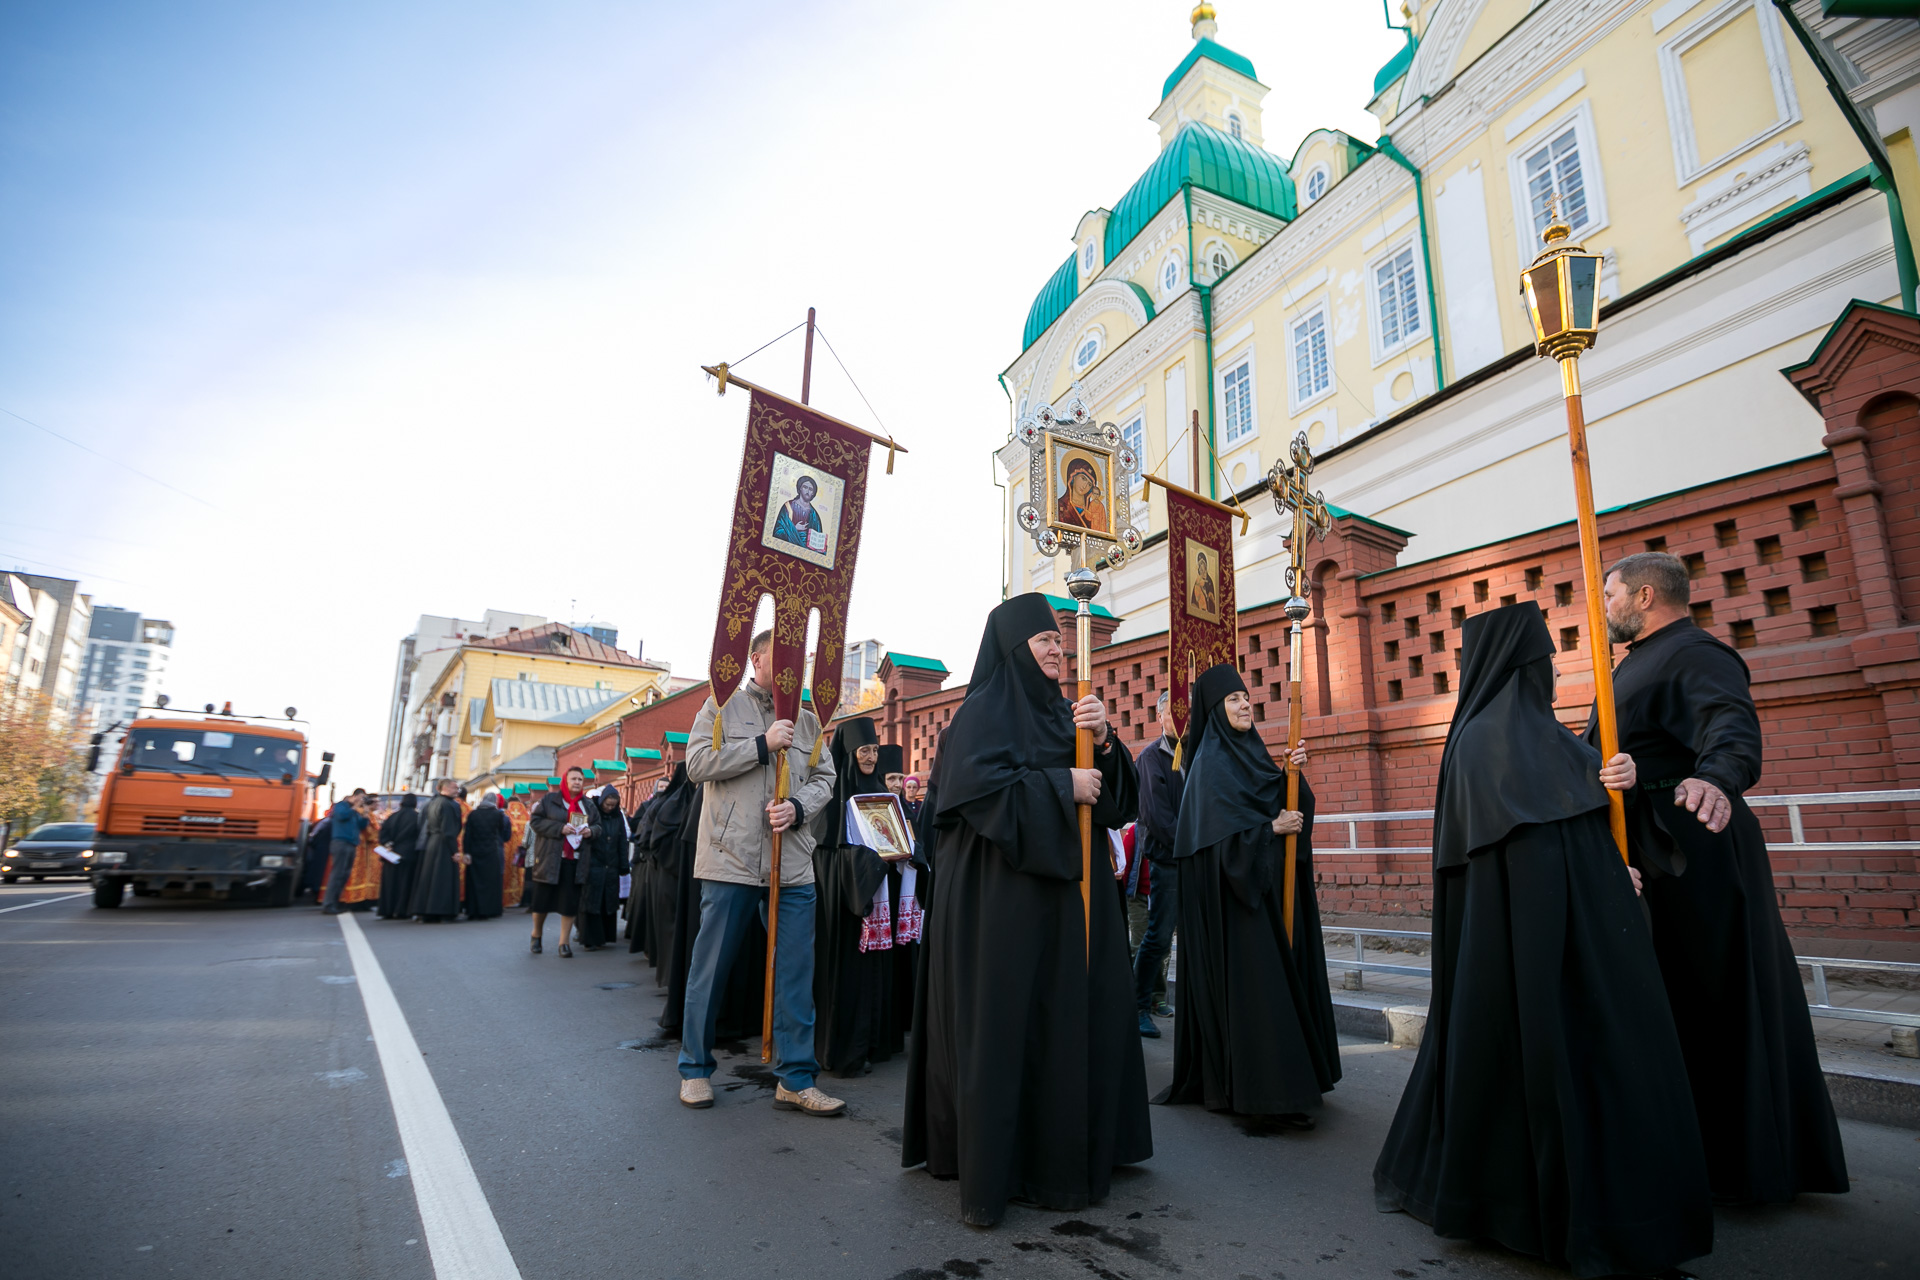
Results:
1440 44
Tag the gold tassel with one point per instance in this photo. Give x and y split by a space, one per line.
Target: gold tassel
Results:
889 457
1179 745
720 371
813 756
718 709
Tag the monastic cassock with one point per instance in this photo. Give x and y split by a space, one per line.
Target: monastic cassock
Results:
607 855
401 834
1548 1109
1026 1079
436 889
638 909
741 1005
1254 1030
852 982
487 832
1685 711
657 847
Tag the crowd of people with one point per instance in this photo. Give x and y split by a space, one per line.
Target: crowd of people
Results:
1613 1045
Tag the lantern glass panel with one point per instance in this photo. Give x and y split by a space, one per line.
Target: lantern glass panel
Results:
1583 280
1543 299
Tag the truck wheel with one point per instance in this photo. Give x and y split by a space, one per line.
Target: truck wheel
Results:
107 893
10 879
281 894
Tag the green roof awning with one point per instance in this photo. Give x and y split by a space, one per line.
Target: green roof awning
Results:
917 663
1073 606
588 774
642 753
539 786
553 782
679 738
609 766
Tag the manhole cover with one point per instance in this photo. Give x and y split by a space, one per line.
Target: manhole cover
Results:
614 986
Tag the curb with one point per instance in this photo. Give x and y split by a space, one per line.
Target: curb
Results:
1857 1095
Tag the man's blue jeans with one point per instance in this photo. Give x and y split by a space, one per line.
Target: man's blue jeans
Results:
725 912
1163 915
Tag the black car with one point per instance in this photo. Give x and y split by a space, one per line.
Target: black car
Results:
51 849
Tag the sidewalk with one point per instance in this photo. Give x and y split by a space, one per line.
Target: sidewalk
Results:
1848 1048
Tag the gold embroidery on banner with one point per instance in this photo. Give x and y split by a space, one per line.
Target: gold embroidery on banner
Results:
1209 643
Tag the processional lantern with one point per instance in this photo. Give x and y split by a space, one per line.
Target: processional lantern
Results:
1307 517
1562 289
1079 481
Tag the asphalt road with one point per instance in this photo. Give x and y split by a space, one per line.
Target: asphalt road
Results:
193 1089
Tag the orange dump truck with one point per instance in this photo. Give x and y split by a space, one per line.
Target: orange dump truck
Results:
208 806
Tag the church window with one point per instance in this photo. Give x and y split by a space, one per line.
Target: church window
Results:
1312 371
1397 296
1088 349
1554 173
1170 274
1222 262
1238 399
1135 435
1234 126
1086 256
1317 183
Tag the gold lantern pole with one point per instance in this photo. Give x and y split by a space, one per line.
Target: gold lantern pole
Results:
1562 292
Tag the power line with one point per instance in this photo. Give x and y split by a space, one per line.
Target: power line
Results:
115 461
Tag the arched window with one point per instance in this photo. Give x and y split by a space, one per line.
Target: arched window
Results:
1234 126
1086 256
1087 350
1216 259
1317 183
1170 273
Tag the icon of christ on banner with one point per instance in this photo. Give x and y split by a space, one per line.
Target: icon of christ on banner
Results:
802 511
1203 590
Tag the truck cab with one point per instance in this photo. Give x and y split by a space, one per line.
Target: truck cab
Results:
212 806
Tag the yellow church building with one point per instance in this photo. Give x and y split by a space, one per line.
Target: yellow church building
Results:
1741 189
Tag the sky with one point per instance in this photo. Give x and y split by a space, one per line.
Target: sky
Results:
320 318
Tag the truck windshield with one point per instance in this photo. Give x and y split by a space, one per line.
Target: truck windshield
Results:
212 751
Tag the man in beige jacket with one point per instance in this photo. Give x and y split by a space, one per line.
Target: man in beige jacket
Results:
738 816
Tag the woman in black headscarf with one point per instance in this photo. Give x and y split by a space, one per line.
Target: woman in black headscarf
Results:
1549 1108
607 862
1254 1032
1026 1080
852 981
639 908
400 833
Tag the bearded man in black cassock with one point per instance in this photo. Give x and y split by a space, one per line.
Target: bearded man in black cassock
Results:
1688 720
1026 1080
1548 1109
852 984
1254 1030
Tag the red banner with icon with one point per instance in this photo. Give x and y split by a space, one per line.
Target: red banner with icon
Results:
1204 622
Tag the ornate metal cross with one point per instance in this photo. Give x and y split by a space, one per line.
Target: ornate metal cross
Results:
1288 481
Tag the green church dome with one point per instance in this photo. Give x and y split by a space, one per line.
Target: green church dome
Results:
1212 161
1055 297
1206 47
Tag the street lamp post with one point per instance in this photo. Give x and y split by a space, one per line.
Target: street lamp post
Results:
1562 289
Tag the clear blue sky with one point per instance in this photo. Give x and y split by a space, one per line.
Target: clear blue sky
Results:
367 311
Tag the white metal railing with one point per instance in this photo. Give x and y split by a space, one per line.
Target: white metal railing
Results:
1821 1006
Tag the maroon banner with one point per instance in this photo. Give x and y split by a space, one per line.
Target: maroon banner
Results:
795 536
1204 624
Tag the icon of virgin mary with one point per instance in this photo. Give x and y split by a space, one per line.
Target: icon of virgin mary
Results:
1081 505
799 521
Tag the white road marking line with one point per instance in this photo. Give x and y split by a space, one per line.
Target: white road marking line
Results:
43 902
462 1235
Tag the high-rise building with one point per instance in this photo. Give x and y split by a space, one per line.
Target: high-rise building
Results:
125 666
43 668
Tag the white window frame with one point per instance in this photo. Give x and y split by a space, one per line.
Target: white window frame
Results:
1240 359
1580 117
1179 262
1688 166
1236 127
1318 307
1382 350
1134 433
1319 170
1095 334
1206 255
1089 256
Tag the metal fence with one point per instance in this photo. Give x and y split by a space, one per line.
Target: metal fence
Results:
1821 1006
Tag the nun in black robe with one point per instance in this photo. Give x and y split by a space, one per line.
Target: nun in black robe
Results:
400 833
1025 1079
658 846
852 988
436 885
1548 1109
1254 1030
1686 712
740 1006
607 862
635 912
488 831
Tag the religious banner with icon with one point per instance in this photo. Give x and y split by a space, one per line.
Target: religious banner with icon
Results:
1204 626
1078 484
795 536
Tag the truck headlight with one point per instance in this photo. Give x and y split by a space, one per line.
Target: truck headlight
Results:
113 857
86 853
273 860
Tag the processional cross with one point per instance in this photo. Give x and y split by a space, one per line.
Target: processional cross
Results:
1309 519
